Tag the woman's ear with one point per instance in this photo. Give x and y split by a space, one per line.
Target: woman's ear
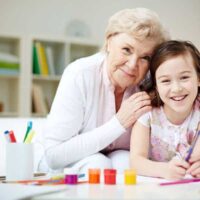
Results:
108 45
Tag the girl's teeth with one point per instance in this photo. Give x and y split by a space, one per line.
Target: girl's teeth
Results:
178 98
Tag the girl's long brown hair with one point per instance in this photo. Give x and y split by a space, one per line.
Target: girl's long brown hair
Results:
166 51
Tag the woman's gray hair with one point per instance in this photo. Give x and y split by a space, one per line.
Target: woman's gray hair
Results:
141 23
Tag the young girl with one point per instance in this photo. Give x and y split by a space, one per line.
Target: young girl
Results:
161 138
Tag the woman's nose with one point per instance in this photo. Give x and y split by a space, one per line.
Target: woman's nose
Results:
133 62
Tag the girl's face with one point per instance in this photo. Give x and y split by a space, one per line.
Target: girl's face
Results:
177 84
128 60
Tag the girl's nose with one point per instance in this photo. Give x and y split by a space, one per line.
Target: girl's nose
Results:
176 87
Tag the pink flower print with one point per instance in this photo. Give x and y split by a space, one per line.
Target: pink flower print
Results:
159 150
154 141
182 148
190 137
159 153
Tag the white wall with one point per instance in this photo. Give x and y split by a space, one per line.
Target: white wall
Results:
182 17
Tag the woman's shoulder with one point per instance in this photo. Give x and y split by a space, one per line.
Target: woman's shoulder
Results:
86 63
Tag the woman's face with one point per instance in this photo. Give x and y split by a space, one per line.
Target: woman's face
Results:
128 60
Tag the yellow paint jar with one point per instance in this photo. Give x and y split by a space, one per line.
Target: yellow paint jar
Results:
130 177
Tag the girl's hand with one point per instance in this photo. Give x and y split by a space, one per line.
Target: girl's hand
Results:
194 169
176 169
194 161
132 108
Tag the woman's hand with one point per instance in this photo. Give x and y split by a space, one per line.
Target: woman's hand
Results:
194 169
176 169
132 108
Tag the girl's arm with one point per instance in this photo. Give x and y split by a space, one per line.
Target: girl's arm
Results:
140 138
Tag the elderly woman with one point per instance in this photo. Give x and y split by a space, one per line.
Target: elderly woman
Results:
98 98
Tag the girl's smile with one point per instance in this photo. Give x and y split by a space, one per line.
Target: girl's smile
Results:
177 85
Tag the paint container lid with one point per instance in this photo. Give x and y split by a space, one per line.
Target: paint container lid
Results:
130 172
94 171
110 171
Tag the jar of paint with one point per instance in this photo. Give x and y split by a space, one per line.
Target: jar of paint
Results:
71 176
110 176
94 176
130 177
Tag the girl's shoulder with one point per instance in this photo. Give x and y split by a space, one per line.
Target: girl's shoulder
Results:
157 116
154 116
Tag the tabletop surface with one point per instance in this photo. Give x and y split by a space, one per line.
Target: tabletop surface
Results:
146 188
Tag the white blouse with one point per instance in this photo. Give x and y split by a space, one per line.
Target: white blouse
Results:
82 118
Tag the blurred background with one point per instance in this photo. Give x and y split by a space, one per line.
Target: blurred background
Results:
39 38
181 17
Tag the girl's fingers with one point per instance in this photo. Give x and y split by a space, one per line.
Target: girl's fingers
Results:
196 172
194 158
180 171
194 168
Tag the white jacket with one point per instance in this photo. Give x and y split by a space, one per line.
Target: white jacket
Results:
82 118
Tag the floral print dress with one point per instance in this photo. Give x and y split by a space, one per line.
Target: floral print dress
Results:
166 139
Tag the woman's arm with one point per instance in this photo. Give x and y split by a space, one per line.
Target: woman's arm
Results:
65 141
140 138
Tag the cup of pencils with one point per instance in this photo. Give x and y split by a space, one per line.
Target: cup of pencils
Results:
19 156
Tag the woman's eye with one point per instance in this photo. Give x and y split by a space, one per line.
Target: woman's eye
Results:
126 50
147 58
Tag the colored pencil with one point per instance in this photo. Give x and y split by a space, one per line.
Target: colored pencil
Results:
184 181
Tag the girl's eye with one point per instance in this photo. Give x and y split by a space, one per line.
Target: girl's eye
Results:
184 77
165 81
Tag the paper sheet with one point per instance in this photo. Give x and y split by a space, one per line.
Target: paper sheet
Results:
17 191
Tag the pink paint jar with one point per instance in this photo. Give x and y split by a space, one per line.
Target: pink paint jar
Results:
71 176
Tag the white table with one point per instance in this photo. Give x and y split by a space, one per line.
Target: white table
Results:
145 189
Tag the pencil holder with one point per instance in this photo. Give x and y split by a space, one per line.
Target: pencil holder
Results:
19 161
